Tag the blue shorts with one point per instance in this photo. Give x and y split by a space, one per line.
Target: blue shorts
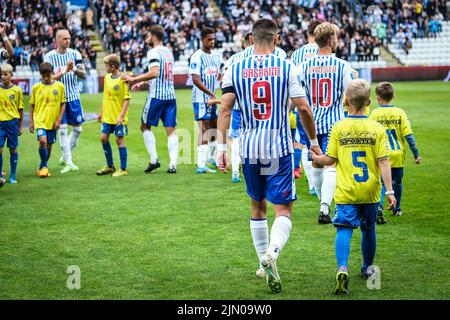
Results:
155 109
235 124
204 112
355 215
301 131
323 144
73 115
272 179
119 131
50 134
9 130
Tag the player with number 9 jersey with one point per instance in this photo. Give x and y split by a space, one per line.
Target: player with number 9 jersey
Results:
265 114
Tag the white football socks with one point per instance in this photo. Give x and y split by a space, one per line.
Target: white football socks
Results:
235 158
64 144
172 145
328 188
75 136
260 235
212 150
279 235
150 144
307 167
202 154
317 179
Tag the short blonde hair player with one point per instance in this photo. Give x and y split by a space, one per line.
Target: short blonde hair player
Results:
11 118
114 116
358 147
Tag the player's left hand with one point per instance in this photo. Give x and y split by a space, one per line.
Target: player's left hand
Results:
126 78
222 161
56 125
392 201
120 120
418 160
315 150
69 66
20 131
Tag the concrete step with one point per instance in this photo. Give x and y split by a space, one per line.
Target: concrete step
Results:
390 59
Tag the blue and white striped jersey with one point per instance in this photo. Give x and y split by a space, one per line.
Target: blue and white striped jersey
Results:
249 51
325 79
208 66
263 85
162 86
234 58
70 79
304 53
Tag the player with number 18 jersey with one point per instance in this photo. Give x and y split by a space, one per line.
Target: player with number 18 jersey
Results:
161 101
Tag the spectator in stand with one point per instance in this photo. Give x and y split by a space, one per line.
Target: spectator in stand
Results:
33 25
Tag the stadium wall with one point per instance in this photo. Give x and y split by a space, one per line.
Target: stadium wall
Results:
95 84
409 73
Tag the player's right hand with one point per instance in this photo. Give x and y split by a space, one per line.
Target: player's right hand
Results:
31 127
222 161
69 66
99 118
136 87
418 160
315 150
392 201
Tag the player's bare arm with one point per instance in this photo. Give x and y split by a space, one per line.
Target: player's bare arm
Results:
68 68
223 123
31 125
99 117
212 102
80 71
20 122
59 119
199 84
152 74
125 106
322 159
307 120
385 167
138 86
6 42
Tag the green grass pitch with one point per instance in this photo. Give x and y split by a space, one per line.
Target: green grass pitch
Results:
186 236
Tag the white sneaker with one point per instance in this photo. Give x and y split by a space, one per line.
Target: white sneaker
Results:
69 168
273 280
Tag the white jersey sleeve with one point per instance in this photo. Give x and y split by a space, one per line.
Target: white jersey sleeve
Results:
153 59
78 58
295 89
347 75
227 79
3 54
195 65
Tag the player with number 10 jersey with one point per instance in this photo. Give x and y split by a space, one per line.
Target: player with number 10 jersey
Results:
325 78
